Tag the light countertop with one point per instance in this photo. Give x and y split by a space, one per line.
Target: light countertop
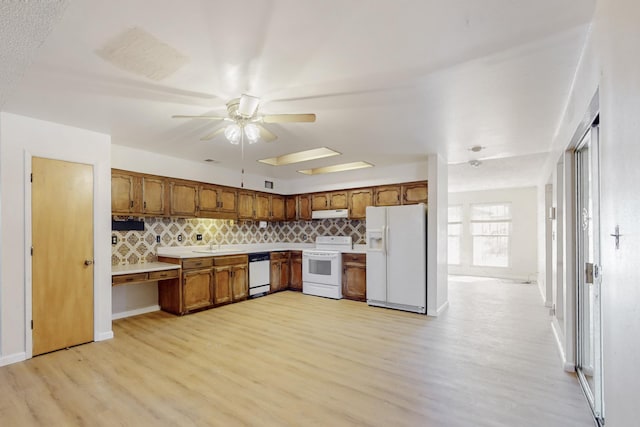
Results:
117 270
203 250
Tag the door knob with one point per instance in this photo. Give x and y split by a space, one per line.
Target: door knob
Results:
88 262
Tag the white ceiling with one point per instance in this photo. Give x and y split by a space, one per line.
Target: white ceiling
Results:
390 81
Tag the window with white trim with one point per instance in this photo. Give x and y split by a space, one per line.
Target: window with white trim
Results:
491 234
454 234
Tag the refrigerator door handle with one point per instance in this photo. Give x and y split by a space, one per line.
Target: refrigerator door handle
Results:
386 239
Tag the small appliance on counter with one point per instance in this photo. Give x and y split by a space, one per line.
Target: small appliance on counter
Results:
322 266
259 279
397 257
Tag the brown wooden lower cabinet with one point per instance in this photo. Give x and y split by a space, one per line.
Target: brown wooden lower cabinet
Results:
279 271
295 276
231 278
354 276
197 289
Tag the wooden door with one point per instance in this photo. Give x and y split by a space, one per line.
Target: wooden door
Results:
338 200
245 204
196 289
319 202
290 208
239 282
358 202
263 206
208 200
62 263
414 193
304 207
222 285
277 208
123 187
184 198
153 196
388 195
227 199
295 279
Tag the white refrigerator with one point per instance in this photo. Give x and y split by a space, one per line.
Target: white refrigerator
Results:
397 257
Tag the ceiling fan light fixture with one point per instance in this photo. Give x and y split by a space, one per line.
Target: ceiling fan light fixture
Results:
248 105
232 132
252 132
336 168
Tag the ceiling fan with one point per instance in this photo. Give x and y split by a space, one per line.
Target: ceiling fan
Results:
246 121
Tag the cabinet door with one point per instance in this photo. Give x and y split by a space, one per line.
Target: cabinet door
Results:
319 201
358 202
239 282
153 196
284 274
123 188
277 208
304 207
388 195
295 279
208 200
263 207
338 200
275 275
222 293
227 198
354 276
290 209
197 289
245 204
414 193
183 199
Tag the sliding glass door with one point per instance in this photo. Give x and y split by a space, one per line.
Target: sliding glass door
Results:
589 339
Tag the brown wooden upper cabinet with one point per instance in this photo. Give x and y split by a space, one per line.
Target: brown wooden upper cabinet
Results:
304 206
123 193
291 208
245 204
332 200
262 206
388 195
216 201
415 192
183 198
358 202
154 196
277 208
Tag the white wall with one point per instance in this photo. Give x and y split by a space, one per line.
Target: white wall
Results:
21 137
437 280
524 243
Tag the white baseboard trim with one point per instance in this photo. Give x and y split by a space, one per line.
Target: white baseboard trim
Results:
567 366
103 336
13 358
135 312
439 311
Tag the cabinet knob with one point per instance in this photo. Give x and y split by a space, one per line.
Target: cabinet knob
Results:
88 262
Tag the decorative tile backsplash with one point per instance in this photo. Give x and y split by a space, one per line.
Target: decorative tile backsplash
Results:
134 247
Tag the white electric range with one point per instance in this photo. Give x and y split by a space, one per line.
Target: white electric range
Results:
322 266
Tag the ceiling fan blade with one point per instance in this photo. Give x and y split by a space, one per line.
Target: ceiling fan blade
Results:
289 118
199 117
213 134
266 135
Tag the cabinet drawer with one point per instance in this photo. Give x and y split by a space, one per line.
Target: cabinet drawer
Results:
162 275
230 260
197 263
277 256
359 258
296 255
129 278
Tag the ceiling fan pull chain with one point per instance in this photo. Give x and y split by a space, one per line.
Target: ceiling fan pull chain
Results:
242 156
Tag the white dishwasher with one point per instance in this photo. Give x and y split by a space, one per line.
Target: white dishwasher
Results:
259 277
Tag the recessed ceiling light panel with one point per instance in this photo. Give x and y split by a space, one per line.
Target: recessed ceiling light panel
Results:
300 156
336 168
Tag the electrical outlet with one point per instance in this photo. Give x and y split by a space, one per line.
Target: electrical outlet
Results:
264 237
304 237
158 238
114 240
179 237
198 236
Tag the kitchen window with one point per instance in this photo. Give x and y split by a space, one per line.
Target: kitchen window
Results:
491 234
454 234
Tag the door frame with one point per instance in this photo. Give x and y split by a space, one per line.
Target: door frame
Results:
98 299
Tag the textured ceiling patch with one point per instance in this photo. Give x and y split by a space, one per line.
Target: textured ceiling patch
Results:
139 52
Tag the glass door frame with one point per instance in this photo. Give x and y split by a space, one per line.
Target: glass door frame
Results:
595 395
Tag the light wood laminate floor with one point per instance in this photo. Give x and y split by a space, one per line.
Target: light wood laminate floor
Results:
292 359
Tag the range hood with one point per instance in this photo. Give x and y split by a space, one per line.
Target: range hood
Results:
332 213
